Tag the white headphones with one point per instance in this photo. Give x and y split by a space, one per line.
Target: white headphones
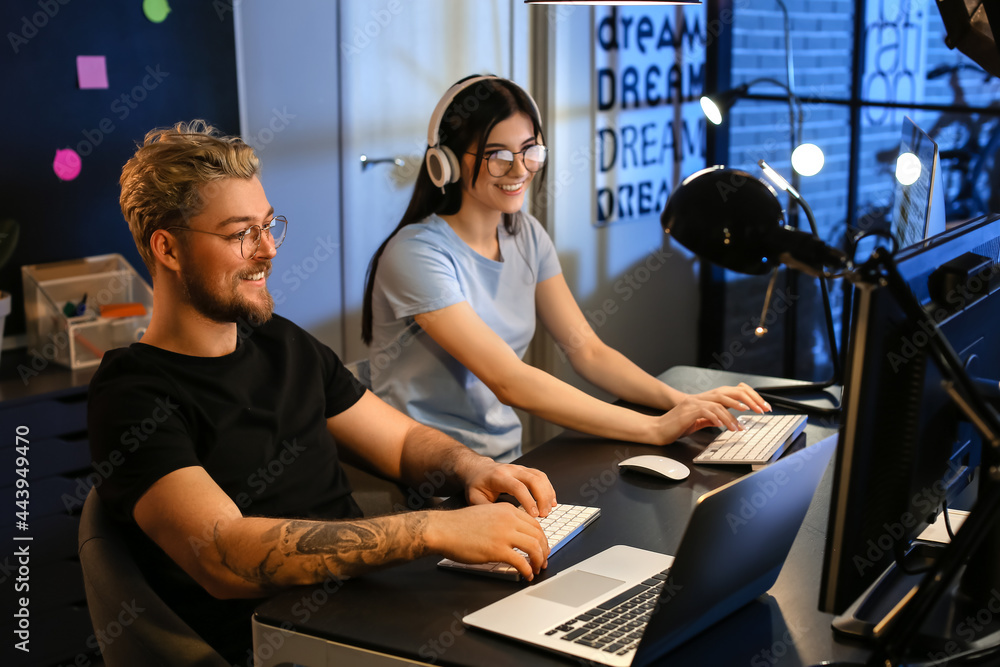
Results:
442 165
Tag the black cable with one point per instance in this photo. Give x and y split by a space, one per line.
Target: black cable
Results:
947 520
853 239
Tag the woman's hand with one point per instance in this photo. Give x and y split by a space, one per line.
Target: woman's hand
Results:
691 414
709 408
741 397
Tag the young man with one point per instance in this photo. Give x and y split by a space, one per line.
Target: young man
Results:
226 423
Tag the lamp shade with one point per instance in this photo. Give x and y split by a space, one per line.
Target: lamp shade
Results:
716 106
735 220
726 217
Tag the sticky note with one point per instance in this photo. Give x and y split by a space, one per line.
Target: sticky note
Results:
91 72
155 10
67 164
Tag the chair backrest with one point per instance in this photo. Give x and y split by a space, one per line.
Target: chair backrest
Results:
117 590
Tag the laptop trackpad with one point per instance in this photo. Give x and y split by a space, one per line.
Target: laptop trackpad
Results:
575 588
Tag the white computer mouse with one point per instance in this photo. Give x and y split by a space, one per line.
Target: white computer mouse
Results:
658 466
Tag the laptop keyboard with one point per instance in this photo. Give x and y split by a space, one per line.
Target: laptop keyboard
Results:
615 626
561 525
763 439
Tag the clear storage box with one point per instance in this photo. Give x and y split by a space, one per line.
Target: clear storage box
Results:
63 302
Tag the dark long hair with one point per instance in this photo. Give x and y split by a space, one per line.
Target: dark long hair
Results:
470 118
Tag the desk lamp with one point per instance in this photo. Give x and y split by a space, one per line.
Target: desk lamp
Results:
779 181
734 219
807 158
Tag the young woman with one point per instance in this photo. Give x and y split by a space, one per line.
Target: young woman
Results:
452 294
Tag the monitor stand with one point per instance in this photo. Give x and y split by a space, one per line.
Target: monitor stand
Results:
958 623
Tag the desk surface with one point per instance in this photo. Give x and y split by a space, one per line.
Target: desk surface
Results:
27 374
414 610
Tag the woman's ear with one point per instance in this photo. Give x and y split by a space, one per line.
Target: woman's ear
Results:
468 172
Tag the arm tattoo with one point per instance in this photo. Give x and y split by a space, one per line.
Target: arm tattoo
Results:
312 551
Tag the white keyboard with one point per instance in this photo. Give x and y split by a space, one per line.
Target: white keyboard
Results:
562 524
763 439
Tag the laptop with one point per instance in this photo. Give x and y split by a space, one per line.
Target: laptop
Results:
755 517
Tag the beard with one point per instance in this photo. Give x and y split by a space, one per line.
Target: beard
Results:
231 306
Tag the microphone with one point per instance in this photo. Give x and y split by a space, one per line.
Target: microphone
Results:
805 252
761 329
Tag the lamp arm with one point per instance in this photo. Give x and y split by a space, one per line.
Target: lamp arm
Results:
794 102
799 135
788 48
794 125
824 289
895 632
774 82
790 74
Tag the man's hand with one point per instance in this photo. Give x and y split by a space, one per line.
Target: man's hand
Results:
531 487
487 533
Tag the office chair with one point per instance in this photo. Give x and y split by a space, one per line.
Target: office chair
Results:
157 637
374 495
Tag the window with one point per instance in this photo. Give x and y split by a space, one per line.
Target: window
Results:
859 67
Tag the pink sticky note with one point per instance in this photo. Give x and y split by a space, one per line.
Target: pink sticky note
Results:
92 72
67 164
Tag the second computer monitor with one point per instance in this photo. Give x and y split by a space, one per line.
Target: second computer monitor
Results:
918 202
906 448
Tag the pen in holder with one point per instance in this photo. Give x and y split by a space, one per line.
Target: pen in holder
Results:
79 309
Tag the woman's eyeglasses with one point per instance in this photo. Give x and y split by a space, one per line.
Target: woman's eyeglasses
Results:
249 238
499 163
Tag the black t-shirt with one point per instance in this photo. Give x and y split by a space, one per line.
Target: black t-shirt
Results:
254 419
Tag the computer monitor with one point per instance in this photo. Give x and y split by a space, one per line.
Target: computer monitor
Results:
904 445
918 210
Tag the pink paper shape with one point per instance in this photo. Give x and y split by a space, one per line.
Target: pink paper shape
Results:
67 164
92 72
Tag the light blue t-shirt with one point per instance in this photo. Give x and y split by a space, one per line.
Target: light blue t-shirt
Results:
427 267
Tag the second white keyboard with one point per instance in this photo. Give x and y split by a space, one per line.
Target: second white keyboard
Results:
562 524
763 439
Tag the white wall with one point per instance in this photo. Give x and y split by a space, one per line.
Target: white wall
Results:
289 110
321 83
639 291
391 83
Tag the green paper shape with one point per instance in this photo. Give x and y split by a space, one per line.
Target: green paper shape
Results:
155 10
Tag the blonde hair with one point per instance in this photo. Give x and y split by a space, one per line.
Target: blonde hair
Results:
162 184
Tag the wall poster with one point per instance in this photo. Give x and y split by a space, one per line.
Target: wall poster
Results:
649 72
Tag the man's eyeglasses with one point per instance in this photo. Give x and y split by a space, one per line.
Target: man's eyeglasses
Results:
249 238
499 163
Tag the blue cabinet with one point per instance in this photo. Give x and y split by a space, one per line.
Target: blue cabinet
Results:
45 474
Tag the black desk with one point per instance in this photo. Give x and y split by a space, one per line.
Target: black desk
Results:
411 614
